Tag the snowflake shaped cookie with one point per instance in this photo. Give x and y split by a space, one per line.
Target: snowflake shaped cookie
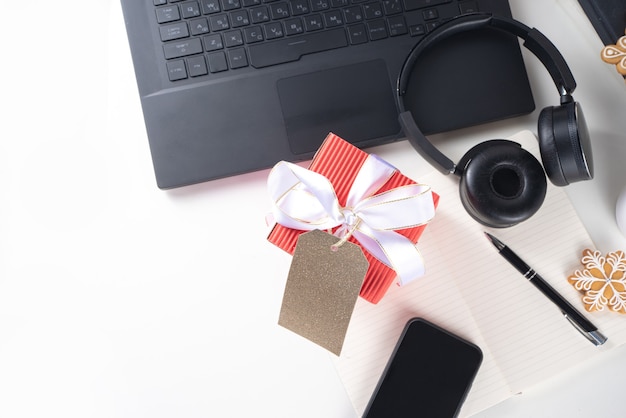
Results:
602 281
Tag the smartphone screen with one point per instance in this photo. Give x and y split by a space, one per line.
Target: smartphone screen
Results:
429 374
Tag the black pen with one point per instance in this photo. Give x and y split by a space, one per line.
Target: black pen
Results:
585 327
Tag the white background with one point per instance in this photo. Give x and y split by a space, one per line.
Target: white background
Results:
121 300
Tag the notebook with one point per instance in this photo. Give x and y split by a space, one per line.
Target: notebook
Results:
232 86
470 290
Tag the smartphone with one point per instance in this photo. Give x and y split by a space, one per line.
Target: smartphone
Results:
428 375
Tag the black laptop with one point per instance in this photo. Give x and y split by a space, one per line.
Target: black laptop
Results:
233 86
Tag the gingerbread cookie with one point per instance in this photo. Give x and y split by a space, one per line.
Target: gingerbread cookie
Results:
603 281
616 54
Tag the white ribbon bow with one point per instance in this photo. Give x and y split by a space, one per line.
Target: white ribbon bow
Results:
306 200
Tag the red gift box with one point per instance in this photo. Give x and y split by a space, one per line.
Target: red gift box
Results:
339 161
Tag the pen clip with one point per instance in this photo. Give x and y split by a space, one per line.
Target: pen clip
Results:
594 336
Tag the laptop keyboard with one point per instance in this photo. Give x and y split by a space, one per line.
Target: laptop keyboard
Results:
202 37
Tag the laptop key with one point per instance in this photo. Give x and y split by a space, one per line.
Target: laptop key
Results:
230 4
420 4
179 49
213 42
237 58
291 49
377 29
357 34
176 70
430 14
239 18
174 31
468 7
253 34
219 22
273 30
217 62
353 14
279 10
233 38
210 6
199 26
167 14
299 7
190 9
259 14
417 30
197 66
313 22
397 26
392 6
293 26
372 10
319 5
333 18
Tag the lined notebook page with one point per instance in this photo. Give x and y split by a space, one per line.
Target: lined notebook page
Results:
470 290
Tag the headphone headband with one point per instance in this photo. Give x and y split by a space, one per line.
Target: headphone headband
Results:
534 41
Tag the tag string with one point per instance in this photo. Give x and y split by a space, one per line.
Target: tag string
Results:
335 246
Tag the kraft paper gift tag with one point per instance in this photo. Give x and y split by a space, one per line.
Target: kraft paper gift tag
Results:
323 284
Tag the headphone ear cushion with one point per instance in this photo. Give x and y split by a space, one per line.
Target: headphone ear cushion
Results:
502 184
548 148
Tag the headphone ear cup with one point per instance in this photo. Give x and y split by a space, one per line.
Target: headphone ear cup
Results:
564 144
502 184
547 147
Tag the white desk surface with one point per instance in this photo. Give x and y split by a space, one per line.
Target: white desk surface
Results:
121 300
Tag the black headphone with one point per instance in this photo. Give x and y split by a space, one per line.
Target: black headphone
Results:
501 183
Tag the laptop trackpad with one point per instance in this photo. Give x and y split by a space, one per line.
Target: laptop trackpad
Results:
355 102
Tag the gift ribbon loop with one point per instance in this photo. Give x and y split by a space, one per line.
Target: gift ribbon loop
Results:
306 200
